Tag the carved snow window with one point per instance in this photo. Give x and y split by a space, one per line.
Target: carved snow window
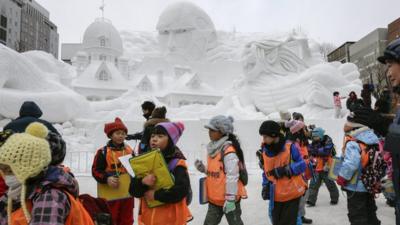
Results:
103 75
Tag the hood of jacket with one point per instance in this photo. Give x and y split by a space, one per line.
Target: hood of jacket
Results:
30 109
365 135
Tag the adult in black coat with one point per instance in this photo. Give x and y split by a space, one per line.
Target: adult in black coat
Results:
28 113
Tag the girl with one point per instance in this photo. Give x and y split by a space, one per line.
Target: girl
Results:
175 212
224 188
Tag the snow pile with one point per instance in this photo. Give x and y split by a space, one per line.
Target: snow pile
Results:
51 67
22 80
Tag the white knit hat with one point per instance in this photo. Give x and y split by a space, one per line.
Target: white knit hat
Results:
27 154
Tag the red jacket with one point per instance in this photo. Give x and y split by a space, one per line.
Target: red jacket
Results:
3 186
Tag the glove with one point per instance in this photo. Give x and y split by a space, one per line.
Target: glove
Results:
283 171
229 206
200 166
260 158
265 192
341 181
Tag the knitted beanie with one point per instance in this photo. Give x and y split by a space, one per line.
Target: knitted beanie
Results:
27 154
296 126
318 132
270 128
109 128
285 115
223 124
174 130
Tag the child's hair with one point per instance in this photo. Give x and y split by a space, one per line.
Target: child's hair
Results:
236 145
161 130
335 93
148 105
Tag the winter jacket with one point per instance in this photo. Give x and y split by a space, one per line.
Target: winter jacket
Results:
28 113
352 157
172 195
3 186
337 101
103 166
353 104
322 148
50 203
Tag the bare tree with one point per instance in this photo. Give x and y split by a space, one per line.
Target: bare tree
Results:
325 48
375 73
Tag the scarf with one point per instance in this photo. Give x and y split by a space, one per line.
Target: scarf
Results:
214 147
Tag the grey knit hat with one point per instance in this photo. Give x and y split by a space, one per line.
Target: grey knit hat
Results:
223 124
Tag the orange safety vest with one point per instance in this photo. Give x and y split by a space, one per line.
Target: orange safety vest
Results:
167 214
77 214
113 163
363 152
286 189
321 161
216 180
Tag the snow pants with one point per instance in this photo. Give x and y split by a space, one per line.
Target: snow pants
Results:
361 208
285 213
122 211
215 213
338 111
315 184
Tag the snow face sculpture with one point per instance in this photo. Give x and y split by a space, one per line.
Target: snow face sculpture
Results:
21 80
185 32
278 77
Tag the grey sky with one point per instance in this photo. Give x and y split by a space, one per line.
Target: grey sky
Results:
334 21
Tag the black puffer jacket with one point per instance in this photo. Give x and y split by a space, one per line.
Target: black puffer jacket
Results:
28 113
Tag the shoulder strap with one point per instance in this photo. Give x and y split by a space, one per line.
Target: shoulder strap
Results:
172 164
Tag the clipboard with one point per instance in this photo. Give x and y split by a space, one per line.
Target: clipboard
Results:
111 194
203 199
153 162
334 169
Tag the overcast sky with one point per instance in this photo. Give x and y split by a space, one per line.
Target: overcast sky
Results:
334 21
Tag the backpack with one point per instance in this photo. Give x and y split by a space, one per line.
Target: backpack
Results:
171 166
97 208
375 170
243 175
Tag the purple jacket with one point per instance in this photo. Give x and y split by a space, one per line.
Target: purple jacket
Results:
50 202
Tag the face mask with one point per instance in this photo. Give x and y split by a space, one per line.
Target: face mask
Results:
14 187
11 181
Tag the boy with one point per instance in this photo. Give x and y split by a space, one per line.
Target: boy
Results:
321 150
283 167
107 169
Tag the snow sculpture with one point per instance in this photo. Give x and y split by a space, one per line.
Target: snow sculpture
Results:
278 77
185 32
21 80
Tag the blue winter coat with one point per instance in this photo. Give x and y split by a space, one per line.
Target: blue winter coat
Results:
352 159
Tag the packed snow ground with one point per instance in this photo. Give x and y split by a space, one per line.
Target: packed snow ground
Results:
254 209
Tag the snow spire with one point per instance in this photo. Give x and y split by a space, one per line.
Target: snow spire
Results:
102 9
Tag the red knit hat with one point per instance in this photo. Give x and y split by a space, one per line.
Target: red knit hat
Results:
109 128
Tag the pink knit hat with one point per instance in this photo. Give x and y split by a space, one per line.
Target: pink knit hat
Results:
174 130
296 126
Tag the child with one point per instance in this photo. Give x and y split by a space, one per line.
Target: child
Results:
39 193
297 135
175 212
321 150
107 169
283 167
224 188
360 203
337 103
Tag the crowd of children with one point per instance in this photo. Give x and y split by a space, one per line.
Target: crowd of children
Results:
36 189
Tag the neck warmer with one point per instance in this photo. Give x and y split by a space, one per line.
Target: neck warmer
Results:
214 147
